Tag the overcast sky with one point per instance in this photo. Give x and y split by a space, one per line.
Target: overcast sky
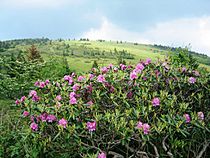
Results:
166 22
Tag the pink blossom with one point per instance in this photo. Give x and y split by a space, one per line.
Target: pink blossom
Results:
184 69
43 117
42 84
32 118
26 113
139 66
104 70
101 155
192 80
187 118
133 75
63 122
91 126
76 87
129 95
91 76
144 78
35 98
110 66
123 67
32 93
58 98
115 69
148 61
129 67
146 128
73 100
51 118
69 79
81 78
23 98
101 78
17 102
72 94
36 83
200 115
139 125
47 82
89 103
34 126
156 101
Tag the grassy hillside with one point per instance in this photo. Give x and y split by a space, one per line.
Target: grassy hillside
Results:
81 54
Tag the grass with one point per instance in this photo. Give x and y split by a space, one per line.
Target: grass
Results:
80 63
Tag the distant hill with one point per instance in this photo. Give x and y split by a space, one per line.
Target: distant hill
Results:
82 53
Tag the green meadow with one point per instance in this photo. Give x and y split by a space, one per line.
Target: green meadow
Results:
81 54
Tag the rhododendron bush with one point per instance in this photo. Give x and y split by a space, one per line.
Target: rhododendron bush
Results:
151 109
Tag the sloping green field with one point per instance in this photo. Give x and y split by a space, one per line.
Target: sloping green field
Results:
81 54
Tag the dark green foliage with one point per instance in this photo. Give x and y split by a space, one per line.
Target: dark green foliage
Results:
182 57
95 64
17 75
34 55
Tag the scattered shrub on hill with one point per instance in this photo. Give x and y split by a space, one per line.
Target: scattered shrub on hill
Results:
151 110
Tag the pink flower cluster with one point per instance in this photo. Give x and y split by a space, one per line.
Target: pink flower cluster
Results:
147 62
22 99
76 87
34 126
144 126
34 95
91 76
138 69
200 115
26 113
123 67
72 97
104 70
63 123
187 118
192 80
69 79
91 126
58 98
81 78
156 101
101 78
41 84
101 155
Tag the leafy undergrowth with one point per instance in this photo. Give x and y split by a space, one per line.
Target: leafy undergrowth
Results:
151 109
9 124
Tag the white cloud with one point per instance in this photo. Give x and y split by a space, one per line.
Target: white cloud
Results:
37 3
180 32
110 31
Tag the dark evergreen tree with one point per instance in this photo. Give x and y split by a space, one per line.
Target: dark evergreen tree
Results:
95 64
33 54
